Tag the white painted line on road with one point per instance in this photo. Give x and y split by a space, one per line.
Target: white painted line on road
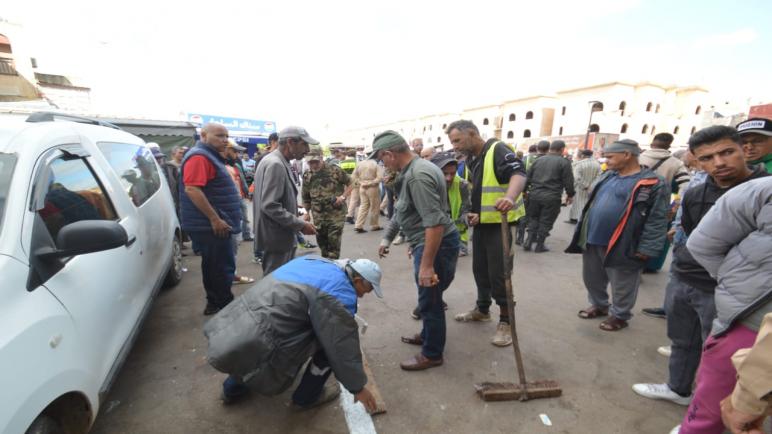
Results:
357 418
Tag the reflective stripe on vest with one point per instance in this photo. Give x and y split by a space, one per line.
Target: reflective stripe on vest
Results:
348 165
492 190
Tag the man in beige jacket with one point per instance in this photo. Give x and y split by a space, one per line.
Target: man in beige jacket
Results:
369 176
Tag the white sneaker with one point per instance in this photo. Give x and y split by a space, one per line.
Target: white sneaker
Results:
399 240
660 391
676 430
503 336
665 351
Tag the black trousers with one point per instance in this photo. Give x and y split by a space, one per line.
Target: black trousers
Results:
542 213
488 264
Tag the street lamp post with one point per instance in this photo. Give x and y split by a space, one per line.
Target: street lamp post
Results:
589 123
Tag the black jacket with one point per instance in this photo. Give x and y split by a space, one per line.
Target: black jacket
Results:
695 204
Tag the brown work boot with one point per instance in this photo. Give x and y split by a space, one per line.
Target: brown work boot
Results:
503 336
473 315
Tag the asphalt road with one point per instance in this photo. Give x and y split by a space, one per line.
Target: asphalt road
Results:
166 386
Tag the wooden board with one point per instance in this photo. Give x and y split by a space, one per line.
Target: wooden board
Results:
373 386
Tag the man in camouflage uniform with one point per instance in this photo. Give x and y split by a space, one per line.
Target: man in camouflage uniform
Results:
325 190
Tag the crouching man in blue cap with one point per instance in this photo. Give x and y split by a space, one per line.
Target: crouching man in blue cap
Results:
304 309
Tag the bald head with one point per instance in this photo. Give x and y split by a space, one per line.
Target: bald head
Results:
426 153
215 135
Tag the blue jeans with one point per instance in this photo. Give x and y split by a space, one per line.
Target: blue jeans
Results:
430 297
218 265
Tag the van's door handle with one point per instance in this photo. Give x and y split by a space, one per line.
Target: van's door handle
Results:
131 241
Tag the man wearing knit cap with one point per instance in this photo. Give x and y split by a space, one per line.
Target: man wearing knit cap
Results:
623 225
547 178
423 213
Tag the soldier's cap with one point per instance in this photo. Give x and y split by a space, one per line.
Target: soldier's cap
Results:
625 145
314 153
297 133
755 126
385 140
442 159
371 272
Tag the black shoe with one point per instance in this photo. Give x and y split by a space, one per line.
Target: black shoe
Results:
211 309
350 220
248 239
540 247
415 314
528 243
359 230
654 312
232 399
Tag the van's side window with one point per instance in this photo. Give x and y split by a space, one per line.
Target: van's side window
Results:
73 194
136 168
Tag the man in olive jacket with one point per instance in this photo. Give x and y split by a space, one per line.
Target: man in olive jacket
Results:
304 309
623 225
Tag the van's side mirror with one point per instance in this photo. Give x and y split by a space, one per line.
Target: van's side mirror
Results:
85 236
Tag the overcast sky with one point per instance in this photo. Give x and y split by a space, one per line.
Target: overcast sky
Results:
356 63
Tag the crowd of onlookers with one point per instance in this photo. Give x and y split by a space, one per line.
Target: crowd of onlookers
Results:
711 202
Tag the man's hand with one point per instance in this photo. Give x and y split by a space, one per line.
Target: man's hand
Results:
569 200
307 217
671 234
739 422
504 204
220 228
308 229
367 399
473 219
426 277
383 251
642 257
340 200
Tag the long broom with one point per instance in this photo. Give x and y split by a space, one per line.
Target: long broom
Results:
524 390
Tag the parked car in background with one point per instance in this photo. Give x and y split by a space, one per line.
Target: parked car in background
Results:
88 235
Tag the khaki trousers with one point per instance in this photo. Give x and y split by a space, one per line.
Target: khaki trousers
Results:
370 202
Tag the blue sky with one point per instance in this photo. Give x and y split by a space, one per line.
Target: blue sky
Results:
346 63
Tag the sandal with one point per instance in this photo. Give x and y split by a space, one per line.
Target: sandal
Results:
242 280
592 312
413 340
613 324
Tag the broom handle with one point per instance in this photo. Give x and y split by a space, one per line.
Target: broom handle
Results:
505 235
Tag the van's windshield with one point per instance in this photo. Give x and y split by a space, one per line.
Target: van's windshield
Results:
7 163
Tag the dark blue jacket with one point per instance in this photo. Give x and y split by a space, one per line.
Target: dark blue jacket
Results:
221 193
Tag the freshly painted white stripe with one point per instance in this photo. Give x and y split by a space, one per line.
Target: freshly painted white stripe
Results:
357 418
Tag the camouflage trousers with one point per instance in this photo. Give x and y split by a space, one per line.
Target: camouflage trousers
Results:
329 233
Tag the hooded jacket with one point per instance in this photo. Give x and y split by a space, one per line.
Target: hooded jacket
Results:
642 227
734 243
268 333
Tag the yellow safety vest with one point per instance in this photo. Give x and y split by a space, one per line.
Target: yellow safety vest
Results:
492 190
454 197
348 165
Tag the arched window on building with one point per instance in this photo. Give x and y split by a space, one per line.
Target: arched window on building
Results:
444 127
560 131
511 117
656 110
529 115
645 129
563 111
648 107
597 107
699 109
653 129
694 130
675 130
485 121
594 128
623 130
527 133
439 139
511 135
622 107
